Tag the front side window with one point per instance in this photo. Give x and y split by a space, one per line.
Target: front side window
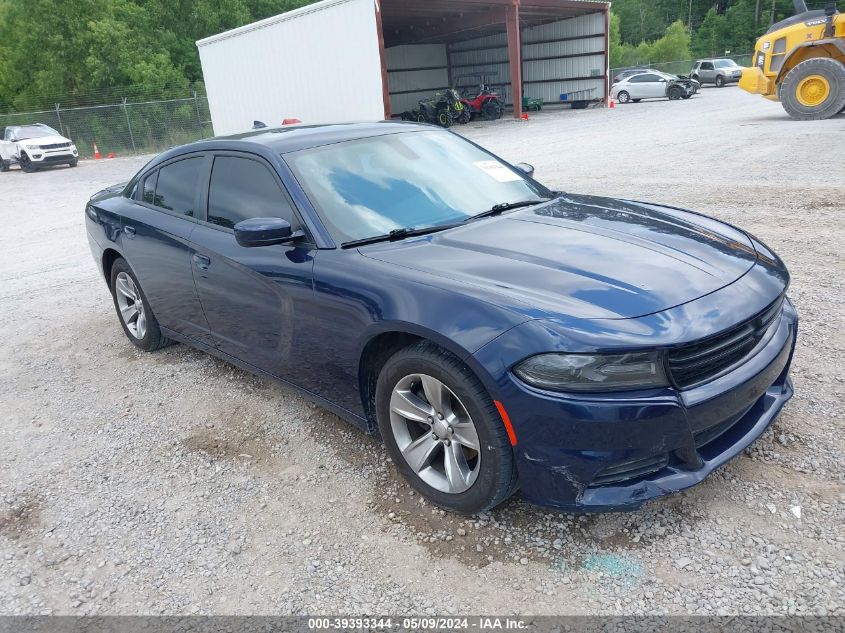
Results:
241 189
369 187
176 187
707 66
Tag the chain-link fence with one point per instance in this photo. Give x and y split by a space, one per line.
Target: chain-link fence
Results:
681 67
144 127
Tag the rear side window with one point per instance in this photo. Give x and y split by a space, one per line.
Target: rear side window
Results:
176 187
707 66
149 193
241 189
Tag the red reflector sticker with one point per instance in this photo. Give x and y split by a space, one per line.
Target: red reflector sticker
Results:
506 419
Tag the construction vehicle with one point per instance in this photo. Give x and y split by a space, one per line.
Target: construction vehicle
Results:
800 62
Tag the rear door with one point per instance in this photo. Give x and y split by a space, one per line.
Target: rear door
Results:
156 228
252 297
707 72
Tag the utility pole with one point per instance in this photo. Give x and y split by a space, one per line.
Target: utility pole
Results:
689 19
757 14
773 13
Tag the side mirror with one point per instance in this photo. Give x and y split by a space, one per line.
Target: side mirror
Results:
264 232
527 169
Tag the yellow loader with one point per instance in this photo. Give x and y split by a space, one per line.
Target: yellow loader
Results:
800 62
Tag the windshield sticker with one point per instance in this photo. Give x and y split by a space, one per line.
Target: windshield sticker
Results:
497 171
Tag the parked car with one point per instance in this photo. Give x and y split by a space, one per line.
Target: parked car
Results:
593 353
652 85
630 72
34 146
716 71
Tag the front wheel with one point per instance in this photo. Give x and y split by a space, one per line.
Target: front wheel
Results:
443 431
720 82
623 97
675 93
492 110
26 163
4 165
137 319
74 162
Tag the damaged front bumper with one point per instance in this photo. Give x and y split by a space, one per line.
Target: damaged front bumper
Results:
617 451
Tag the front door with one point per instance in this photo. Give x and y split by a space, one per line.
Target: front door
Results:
253 297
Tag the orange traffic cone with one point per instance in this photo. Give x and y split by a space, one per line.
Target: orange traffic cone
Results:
96 152
611 104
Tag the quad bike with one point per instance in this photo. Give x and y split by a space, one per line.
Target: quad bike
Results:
486 103
444 109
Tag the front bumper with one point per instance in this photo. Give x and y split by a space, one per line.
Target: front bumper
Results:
43 157
584 453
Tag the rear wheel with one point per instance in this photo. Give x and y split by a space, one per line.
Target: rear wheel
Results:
624 97
443 431
4 165
814 89
137 319
720 82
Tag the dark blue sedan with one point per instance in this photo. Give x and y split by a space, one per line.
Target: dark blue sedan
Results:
592 353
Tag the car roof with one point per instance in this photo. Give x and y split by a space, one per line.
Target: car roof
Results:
292 138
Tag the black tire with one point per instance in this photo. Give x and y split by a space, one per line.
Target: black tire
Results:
74 162
624 97
26 163
720 81
833 71
4 165
444 119
492 110
674 93
153 339
497 477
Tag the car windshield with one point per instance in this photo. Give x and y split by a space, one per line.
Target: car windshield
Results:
34 131
369 187
725 63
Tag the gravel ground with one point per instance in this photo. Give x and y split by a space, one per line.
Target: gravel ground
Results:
174 483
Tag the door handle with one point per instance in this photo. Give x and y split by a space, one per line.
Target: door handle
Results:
201 261
129 230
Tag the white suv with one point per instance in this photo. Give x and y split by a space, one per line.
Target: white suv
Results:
34 146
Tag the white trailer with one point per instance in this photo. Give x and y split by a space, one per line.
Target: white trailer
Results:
320 64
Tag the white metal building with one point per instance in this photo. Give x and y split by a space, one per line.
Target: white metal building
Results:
351 60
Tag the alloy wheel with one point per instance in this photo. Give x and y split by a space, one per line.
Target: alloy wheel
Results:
434 433
131 305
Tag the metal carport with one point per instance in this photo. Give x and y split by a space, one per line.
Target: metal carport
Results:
450 22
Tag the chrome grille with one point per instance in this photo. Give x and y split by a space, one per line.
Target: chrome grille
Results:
703 360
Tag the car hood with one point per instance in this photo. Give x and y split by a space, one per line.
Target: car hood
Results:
45 140
584 257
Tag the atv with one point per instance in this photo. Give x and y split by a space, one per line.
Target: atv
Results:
485 104
444 109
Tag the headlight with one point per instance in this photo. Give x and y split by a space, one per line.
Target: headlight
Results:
593 372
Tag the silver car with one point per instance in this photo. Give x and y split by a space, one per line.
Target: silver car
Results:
652 84
716 71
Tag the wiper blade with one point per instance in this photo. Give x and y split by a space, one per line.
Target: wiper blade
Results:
398 234
507 206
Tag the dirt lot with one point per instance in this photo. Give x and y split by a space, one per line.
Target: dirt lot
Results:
174 483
